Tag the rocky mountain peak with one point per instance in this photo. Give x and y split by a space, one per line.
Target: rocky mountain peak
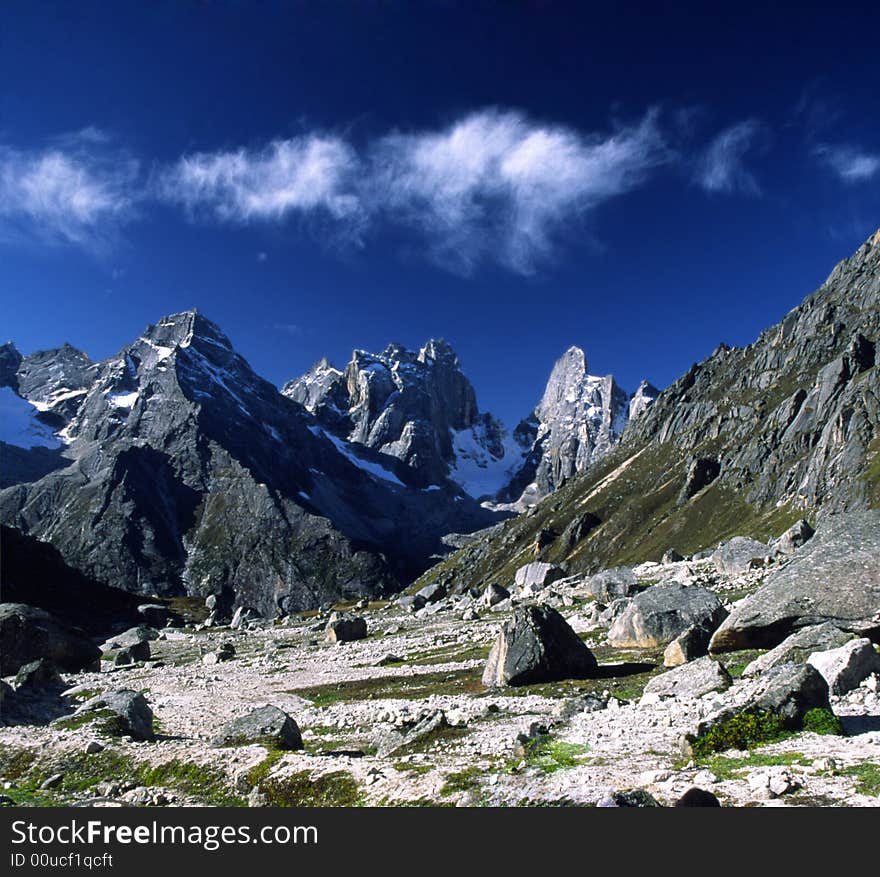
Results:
439 350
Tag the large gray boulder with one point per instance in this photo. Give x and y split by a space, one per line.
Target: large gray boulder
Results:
346 628
693 643
799 646
796 535
134 636
267 726
784 694
537 575
845 667
612 584
739 555
28 634
657 616
120 713
537 645
835 577
691 680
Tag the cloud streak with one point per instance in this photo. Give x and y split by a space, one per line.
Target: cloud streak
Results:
722 167
493 186
77 191
849 163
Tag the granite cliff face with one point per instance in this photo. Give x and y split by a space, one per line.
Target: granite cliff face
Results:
176 469
745 443
419 408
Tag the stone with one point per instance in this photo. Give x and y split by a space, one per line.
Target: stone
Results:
537 575
134 636
28 634
433 592
132 654
154 614
612 584
799 646
701 473
796 535
93 747
224 652
739 555
658 615
41 675
693 643
610 613
495 594
267 726
121 713
572 706
393 741
629 798
695 797
412 602
845 668
835 577
346 628
690 681
672 556
52 782
537 645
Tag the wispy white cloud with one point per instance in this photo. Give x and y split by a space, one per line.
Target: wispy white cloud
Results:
497 185
722 167
492 186
78 190
850 163
299 175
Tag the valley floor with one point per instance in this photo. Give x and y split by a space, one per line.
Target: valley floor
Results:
349 698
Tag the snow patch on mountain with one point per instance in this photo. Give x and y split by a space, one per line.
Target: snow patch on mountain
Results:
19 424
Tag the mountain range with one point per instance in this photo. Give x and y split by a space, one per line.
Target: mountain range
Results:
172 468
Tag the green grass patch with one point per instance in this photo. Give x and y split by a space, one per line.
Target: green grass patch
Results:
302 789
409 687
726 768
821 720
461 781
867 777
550 755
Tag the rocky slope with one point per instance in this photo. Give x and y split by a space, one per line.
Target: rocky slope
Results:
177 470
746 442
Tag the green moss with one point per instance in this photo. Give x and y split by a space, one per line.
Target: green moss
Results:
867 777
549 754
742 731
409 687
301 789
736 662
726 768
461 781
413 767
200 781
821 720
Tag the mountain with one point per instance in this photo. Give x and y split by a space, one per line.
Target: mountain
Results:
172 468
419 408
745 443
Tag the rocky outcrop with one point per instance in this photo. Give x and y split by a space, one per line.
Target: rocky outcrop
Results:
845 667
537 645
793 421
266 726
658 615
834 578
28 634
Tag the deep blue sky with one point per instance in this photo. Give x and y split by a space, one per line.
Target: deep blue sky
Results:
743 162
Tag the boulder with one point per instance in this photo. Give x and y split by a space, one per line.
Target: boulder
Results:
799 646
134 636
120 713
610 613
672 556
628 798
537 575
695 797
132 654
396 740
432 593
225 652
792 539
693 643
657 616
267 726
495 594
739 555
38 676
689 681
835 577
845 667
154 614
28 634
784 694
537 645
346 628
612 584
